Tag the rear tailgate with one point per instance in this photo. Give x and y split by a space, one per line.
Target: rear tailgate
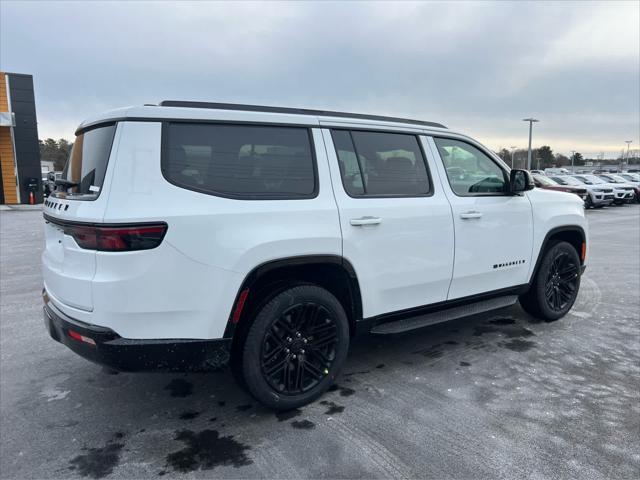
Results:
68 269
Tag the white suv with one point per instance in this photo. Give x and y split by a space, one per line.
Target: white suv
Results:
192 235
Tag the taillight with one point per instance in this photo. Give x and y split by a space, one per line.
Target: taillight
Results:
117 239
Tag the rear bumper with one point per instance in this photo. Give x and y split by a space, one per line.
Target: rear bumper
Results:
104 346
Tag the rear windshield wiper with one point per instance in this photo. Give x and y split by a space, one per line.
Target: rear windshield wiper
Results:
66 183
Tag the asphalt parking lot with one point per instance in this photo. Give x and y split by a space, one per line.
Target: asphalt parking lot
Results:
500 396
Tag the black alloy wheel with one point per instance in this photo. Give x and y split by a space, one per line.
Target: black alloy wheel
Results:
562 282
299 348
554 288
296 347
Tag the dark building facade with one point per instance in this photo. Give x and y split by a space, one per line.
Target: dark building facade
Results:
19 150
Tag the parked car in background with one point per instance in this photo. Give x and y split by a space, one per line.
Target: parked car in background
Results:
556 171
597 197
621 193
542 181
539 172
623 182
186 235
631 177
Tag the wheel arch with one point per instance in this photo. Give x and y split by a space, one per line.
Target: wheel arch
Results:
332 272
573 234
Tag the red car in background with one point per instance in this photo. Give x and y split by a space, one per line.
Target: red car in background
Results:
542 181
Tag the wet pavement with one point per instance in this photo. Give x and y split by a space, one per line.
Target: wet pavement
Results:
500 395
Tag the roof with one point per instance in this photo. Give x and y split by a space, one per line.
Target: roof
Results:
297 111
179 110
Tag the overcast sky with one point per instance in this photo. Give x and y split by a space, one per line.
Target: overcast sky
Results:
476 67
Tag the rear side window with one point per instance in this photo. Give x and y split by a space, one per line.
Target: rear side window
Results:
87 163
381 164
240 161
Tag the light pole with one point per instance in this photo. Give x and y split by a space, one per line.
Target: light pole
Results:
530 120
513 151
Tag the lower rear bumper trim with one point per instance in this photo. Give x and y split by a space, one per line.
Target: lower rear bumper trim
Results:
124 354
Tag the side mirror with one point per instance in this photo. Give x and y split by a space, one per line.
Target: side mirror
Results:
520 181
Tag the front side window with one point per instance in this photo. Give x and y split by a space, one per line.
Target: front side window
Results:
470 171
381 164
84 171
240 161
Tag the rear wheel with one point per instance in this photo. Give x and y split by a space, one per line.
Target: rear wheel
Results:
555 287
296 347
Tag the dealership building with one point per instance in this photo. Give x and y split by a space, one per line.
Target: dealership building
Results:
19 150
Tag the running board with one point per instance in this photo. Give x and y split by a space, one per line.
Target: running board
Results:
453 313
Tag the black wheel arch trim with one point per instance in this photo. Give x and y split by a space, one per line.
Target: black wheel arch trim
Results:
547 239
298 261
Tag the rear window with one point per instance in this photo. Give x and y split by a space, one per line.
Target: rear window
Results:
240 161
87 163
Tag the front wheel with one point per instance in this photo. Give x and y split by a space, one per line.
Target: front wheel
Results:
588 202
296 347
555 287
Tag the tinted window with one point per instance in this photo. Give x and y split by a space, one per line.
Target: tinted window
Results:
240 160
373 163
87 162
470 171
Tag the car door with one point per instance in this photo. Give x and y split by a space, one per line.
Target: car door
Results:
493 229
397 229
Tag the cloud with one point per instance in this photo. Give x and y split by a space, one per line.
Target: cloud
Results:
476 66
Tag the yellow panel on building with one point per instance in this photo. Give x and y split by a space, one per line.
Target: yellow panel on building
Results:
7 156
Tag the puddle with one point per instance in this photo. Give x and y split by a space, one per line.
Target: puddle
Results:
333 407
98 462
518 345
206 450
189 415
303 424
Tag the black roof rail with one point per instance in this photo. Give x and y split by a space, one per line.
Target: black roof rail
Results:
297 111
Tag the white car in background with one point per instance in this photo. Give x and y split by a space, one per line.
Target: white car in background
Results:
597 196
621 192
631 178
623 182
556 171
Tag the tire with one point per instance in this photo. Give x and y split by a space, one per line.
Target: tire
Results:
295 348
589 202
555 286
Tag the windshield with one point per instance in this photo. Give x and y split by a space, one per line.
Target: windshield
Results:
568 181
87 164
630 176
618 179
611 179
546 181
591 179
